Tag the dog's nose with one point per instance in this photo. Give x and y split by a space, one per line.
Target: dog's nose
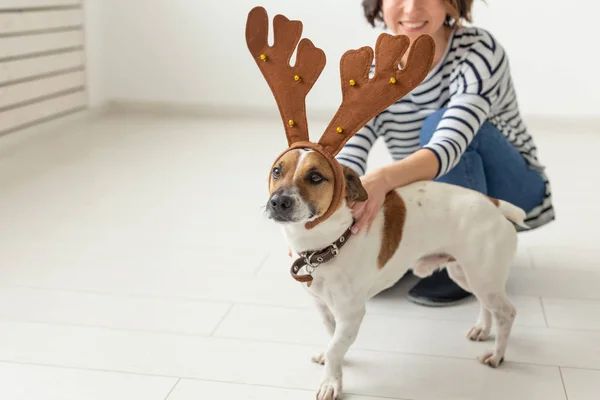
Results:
281 203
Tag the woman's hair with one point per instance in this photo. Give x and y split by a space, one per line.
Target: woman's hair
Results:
458 10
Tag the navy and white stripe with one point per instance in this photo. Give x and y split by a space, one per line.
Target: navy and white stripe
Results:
473 82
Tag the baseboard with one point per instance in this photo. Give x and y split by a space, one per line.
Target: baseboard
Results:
205 110
536 122
563 124
51 126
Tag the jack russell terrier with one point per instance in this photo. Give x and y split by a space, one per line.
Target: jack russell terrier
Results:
424 226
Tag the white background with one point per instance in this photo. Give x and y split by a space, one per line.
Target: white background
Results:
168 51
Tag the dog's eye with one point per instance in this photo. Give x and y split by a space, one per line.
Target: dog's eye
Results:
276 172
315 177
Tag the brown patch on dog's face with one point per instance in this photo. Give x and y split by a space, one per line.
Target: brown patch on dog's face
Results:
301 187
394 212
315 180
282 173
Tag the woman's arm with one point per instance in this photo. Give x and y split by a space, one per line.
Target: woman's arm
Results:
454 133
474 92
421 165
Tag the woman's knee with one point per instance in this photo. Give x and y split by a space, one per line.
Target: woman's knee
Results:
430 125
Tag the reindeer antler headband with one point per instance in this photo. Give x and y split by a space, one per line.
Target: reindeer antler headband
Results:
362 97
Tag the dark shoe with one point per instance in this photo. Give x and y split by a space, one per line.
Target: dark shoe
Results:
437 290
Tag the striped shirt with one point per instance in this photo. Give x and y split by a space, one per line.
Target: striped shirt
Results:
473 82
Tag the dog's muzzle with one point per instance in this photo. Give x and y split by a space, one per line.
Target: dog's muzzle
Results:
281 207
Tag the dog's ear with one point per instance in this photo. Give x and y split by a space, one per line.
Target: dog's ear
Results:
354 188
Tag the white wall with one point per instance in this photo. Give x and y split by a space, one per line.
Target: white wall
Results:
168 50
96 62
552 46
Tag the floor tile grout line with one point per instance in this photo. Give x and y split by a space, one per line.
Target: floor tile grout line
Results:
172 389
208 300
212 301
295 344
212 333
70 367
306 345
396 352
179 378
530 256
562 379
399 315
233 304
261 264
119 294
579 368
223 302
105 327
544 312
149 331
250 340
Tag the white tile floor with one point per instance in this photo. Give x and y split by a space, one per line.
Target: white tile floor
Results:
136 264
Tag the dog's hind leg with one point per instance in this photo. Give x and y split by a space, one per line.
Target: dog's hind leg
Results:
481 330
486 265
456 273
504 314
329 322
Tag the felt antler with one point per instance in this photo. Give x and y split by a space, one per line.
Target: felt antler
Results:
289 85
363 98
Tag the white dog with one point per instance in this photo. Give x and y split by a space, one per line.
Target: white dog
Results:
424 226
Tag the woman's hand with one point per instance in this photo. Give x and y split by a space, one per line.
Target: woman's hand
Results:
365 212
421 165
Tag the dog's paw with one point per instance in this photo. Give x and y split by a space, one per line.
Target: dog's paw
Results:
319 358
491 359
479 333
331 389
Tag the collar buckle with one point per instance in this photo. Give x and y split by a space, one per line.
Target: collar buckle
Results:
335 250
320 257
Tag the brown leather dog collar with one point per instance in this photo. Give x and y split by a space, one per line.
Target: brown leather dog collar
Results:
312 259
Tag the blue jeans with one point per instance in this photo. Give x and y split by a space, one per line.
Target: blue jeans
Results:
491 165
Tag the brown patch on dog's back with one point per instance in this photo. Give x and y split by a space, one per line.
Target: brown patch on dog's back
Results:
495 201
394 215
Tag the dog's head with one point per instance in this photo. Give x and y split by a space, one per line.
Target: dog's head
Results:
302 186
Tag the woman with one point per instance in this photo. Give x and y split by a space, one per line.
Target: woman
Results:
461 125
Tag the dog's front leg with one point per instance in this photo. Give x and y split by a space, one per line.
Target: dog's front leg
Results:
329 322
346 331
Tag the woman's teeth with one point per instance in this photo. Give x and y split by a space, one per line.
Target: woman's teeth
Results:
413 25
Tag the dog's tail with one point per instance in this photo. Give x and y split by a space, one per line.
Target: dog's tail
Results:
511 212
